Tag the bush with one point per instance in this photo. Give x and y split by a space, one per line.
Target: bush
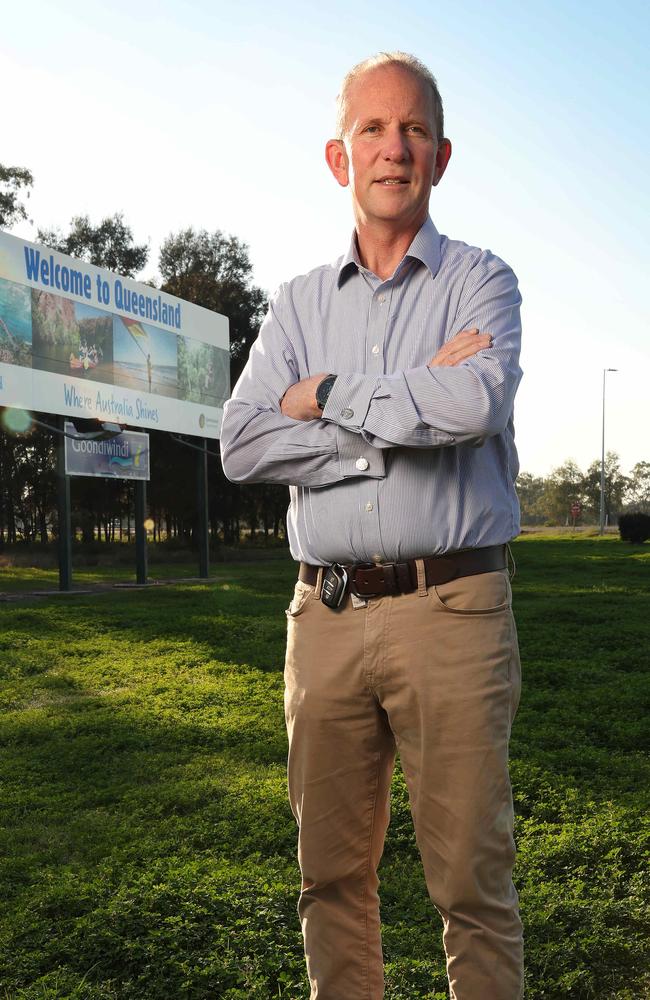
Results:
634 527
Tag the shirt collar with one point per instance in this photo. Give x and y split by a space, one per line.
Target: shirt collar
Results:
350 261
425 248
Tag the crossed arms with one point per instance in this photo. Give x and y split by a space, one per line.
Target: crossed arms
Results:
272 432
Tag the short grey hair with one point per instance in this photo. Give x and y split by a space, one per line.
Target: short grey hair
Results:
408 62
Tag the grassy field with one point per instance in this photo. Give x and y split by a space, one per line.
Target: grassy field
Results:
32 570
148 848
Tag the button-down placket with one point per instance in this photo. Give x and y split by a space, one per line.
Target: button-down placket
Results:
376 332
377 327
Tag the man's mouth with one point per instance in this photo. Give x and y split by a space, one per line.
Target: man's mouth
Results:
392 181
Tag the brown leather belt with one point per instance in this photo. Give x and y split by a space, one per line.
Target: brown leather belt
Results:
376 580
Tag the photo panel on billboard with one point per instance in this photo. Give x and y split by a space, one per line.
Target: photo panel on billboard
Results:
145 358
71 338
15 324
203 373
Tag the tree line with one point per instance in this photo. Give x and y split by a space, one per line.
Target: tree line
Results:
214 270
550 499
103 510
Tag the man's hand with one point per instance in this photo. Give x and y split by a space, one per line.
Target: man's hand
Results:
464 345
299 401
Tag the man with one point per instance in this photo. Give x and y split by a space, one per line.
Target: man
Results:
381 390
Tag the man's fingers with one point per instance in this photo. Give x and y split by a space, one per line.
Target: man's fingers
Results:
464 345
465 336
462 354
466 350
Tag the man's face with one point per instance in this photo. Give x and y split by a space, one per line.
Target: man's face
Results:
390 157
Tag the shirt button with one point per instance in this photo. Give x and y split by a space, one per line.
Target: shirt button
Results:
346 413
375 349
376 557
362 464
382 299
369 507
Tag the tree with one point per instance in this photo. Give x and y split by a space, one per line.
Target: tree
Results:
530 490
214 271
616 486
12 179
109 244
27 486
562 488
637 495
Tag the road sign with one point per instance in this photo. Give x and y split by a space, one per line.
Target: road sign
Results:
123 457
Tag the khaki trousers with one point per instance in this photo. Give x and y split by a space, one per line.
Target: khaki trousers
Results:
434 674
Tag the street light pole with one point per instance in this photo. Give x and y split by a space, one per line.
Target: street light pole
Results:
602 459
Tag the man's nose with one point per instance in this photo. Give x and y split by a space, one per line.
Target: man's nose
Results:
395 146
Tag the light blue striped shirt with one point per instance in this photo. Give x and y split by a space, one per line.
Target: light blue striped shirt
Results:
407 460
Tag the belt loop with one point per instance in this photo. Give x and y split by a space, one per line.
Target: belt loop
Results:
319 583
422 578
510 558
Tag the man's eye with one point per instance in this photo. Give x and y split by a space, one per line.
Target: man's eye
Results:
416 128
372 129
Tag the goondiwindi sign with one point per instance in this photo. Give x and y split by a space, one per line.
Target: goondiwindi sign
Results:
123 457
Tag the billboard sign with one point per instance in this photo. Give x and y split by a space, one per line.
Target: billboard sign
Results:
123 457
81 341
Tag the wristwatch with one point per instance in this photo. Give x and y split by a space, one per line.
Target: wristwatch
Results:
323 390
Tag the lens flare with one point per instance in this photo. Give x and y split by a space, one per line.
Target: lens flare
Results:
149 524
16 421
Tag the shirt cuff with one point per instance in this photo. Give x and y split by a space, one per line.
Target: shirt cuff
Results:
357 457
349 400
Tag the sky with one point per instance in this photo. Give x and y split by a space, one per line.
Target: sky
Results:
215 116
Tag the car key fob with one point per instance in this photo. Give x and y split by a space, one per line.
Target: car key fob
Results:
335 581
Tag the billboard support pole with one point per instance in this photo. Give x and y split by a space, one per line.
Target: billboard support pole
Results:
140 531
63 503
203 520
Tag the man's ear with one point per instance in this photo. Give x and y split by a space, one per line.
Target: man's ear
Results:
442 159
337 160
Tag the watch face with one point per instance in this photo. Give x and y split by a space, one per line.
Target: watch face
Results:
324 389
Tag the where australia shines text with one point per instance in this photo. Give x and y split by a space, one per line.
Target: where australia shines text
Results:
70 281
105 405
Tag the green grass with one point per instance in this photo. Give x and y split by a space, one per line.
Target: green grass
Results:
148 844
22 579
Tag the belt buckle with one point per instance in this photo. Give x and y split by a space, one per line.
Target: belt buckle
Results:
352 579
